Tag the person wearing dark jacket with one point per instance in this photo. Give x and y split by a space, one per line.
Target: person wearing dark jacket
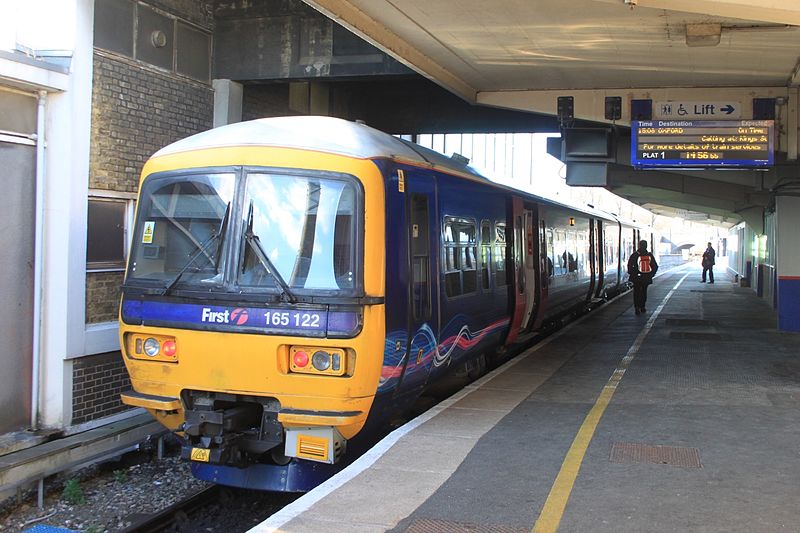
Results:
708 264
642 267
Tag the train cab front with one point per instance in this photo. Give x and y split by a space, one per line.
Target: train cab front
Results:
245 322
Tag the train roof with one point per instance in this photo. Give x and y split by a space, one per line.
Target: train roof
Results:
321 134
342 137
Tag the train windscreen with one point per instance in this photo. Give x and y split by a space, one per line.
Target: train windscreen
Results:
286 233
180 226
307 229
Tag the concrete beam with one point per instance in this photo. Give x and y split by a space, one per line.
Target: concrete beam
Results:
352 18
770 11
27 74
227 102
730 201
679 183
641 196
590 103
753 217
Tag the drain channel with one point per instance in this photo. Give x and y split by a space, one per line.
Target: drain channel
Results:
633 453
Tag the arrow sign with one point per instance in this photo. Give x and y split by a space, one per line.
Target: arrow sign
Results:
697 110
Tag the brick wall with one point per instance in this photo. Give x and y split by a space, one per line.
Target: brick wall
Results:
136 110
97 382
268 100
102 296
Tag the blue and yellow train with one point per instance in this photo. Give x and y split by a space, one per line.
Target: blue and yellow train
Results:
295 281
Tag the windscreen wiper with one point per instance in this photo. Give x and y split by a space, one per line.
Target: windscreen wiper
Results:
266 262
201 249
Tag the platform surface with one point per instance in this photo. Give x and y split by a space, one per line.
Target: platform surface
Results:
683 419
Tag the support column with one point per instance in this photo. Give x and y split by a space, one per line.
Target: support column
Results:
787 246
227 102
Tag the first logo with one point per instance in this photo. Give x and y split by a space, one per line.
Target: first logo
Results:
239 316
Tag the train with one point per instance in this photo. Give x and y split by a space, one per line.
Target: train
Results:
295 282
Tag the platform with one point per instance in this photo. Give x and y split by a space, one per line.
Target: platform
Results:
683 419
35 463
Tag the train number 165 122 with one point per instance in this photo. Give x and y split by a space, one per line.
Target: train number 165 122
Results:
292 319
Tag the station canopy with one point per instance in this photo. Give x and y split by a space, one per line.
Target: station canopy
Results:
717 57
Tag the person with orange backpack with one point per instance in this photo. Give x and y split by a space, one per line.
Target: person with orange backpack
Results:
642 267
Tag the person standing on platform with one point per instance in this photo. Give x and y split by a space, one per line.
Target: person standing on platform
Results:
708 264
642 267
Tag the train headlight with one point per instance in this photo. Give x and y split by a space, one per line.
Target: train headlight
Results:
152 347
322 361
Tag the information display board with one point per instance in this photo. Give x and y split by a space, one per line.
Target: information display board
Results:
702 143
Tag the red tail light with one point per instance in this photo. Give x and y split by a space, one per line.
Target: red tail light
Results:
300 359
169 348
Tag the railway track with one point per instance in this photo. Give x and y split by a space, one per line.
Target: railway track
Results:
215 508
176 516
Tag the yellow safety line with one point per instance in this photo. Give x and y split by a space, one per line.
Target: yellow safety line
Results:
553 510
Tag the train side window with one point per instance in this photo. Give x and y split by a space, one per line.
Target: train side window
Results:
551 253
571 252
627 246
500 278
486 253
460 251
582 265
610 254
561 261
452 269
420 257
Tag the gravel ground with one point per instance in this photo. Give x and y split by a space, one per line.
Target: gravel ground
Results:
112 492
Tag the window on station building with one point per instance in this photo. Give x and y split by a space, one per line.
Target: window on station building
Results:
107 233
138 31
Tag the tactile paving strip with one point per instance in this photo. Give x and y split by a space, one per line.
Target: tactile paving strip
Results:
628 453
691 322
696 335
430 525
725 292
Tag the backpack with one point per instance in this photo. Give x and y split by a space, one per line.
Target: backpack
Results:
644 264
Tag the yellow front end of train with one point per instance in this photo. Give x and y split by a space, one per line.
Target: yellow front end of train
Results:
252 320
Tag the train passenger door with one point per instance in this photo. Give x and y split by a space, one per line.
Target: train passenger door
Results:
517 261
423 280
545 271
601 260
595 267
530 251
